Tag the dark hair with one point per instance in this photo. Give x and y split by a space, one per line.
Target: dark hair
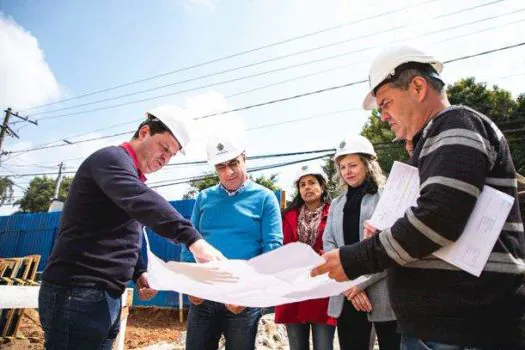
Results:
155 126
405 73
298 201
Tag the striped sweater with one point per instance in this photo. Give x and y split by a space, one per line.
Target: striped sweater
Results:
457 153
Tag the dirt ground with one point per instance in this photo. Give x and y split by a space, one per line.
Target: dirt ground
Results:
146 326
155 327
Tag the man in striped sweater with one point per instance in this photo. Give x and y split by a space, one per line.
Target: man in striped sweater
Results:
457 151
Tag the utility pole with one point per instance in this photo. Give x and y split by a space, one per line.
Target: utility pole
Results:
56 204
58 181
6 129
5 126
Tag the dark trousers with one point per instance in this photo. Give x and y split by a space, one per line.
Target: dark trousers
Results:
299 336
387 335
354 331
410 342
207 321
78 318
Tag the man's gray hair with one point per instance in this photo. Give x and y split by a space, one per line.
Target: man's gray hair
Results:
406 77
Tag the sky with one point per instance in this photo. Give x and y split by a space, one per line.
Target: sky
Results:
53 50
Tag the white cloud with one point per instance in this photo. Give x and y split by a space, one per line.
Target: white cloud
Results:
25 76
229 125
190 4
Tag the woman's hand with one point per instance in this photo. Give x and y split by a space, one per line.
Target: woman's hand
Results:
369 230
361 302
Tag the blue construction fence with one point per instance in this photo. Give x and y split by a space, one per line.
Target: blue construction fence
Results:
27 234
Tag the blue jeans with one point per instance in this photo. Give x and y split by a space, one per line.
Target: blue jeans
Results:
410 342
78 318
299 336
207 321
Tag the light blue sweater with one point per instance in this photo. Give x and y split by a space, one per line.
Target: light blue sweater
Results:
240 226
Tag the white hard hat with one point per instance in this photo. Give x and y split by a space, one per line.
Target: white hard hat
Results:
385 64
220 150
309 170
354 144
176 120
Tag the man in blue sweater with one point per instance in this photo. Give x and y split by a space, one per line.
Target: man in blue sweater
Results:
96 252
242 220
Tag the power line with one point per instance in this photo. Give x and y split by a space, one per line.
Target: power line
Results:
12 182
187 163
302 119
256 64
75 143
263 156
41 147
251 170
485 52
282 99
347 84
287 80
32 166
279 69
382 145
96 92
315 92
273 166
482 30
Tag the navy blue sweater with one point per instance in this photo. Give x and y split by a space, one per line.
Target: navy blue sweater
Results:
100 234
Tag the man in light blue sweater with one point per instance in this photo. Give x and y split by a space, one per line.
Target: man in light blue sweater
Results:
242 220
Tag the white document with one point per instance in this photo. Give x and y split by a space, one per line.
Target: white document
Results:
19 297
471 251
278 277
400 193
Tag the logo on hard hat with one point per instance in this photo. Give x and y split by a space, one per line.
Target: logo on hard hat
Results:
342 144
304 168
220 147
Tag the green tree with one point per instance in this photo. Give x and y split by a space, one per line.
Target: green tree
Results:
379 133
498 105
6 190
268 182
495 103
211 179
38 195
520 109
329 170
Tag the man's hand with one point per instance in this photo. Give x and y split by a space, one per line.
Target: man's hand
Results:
145 292
332 266
195 301
202 273
205 252
235 309
369 230
361 302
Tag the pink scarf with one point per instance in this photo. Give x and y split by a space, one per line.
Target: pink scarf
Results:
308 224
